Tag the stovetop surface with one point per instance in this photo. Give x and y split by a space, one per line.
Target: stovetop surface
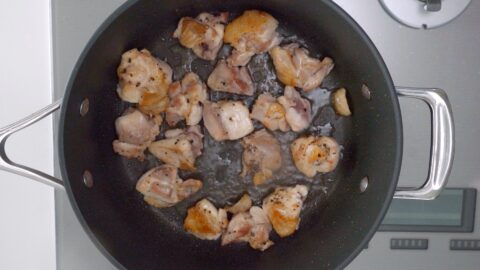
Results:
447 57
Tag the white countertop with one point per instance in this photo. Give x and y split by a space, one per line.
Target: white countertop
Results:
27 226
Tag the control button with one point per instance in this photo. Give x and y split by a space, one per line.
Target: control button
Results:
408 243
465 244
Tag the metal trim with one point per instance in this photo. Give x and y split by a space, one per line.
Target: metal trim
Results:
443 143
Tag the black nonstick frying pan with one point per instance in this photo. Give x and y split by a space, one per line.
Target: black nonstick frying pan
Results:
343 209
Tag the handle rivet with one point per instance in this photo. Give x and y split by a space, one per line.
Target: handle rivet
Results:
363 184
366 92
87 179
84 107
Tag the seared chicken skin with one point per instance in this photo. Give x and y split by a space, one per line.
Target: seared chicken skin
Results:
270 113
262 155
227 120
230 79
298 111
144 79
135 131
161 186
204 34
252 227
205 221
180 147
295 68
283 208
315 154
252 33
186 99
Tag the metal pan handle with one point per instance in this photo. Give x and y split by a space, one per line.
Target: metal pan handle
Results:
7 165
442 150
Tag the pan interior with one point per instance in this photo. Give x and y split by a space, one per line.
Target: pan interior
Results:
336 218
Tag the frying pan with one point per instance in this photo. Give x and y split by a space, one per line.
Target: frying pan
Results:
343 209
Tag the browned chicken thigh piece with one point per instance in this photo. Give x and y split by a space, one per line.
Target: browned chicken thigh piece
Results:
295 68
230 79
144 79
251 33
227 120
135 132
204 34
205 221
161 186
251 226
315 154
262 155
270 113
283 208
180 147
186 100
298 111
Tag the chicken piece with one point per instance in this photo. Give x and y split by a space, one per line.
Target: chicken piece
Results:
186 99
298 111
205 221
204 34
252 227
139 74
135 132
270 113
193 134
283 208
241 206
161 186
262 154
315 154
295 68
129 150
340 102
230 79
252 33
180 147
238 229
227 120
153 103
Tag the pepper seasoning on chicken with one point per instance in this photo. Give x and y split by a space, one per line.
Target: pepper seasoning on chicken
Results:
283 208
251 33
180 147
204 34
250 226
294 67
262 154
162 187
136 131
205 221
144 79
227 120
186 99
231 79
270 113
298 111
315 154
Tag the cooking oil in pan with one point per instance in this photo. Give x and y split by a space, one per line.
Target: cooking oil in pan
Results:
220 164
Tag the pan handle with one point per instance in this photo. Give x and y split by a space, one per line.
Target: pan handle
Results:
7 165
442 149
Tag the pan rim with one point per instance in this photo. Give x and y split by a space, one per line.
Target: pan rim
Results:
377 58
